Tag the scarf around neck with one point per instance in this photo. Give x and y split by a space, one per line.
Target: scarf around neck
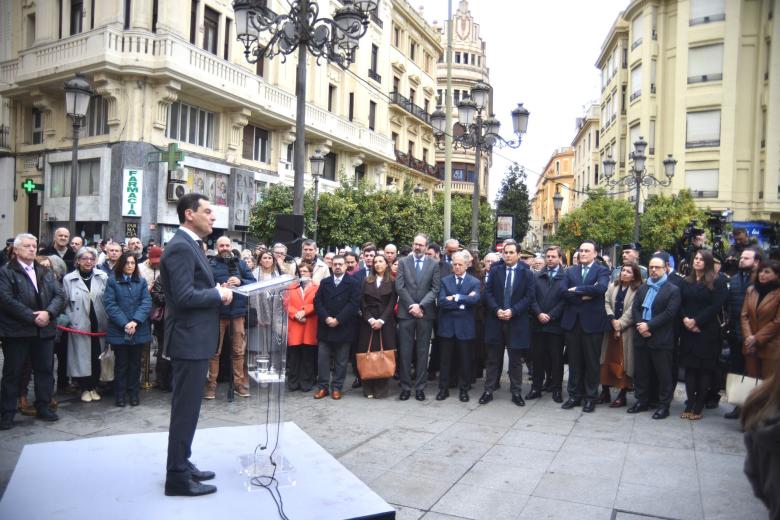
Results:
652 292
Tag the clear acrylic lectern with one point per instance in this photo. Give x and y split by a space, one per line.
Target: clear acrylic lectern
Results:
266 330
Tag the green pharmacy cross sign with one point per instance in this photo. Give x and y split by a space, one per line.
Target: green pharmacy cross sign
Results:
29 186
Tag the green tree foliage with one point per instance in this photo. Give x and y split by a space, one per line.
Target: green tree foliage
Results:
354 214
665 218
603 219
512 199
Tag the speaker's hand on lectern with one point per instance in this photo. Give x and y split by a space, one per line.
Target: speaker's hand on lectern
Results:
226 295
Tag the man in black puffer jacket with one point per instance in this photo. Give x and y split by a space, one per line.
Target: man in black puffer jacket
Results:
30 301
230 271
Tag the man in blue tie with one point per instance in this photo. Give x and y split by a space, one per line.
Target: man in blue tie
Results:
508 297
584 321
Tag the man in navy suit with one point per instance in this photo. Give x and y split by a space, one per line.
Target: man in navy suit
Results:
584 321
457 329
508 297
192 301
336 303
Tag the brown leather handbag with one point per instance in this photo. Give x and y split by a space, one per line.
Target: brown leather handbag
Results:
379 364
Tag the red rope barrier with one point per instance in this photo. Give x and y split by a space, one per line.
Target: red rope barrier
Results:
83 333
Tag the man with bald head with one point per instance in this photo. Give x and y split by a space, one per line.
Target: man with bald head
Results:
391 253
229 271
60 247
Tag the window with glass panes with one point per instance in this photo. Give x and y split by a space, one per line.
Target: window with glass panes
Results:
256 144
88 180
191 124
97 117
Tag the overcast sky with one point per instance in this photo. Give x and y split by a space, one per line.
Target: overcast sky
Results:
541 54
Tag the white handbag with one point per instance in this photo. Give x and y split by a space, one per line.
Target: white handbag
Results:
738 387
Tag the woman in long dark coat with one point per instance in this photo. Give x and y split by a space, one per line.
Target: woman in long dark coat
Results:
377 304
703 295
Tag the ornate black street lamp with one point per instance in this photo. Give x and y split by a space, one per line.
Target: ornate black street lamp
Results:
317 166
557 203
78 92
639 177
479 134
332 40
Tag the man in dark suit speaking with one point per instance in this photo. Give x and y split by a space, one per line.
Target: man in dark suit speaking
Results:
191 333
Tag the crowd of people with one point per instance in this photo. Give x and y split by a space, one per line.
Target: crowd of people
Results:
451 316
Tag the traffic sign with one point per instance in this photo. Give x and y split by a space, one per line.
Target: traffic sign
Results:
29 186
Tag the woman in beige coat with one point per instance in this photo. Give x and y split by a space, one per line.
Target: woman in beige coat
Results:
617 349
84 288
761 322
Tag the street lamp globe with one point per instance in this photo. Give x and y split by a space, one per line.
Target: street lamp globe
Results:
492 126
317 164
366 5
480 93
640 145
557 201
77 95
246 32
520 119
669 164
438 121
467 109
608 166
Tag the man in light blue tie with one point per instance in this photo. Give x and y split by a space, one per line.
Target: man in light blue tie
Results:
417 285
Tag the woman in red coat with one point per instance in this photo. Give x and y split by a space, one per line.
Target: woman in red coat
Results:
301 332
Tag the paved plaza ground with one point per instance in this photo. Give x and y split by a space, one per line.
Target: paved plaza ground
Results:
453 460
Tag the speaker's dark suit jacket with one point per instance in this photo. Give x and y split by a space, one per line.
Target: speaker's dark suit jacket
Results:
521 300
591 313
191 300
340 302
423 291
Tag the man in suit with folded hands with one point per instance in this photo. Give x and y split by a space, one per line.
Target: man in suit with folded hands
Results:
458 294
584 320
192 301
508 297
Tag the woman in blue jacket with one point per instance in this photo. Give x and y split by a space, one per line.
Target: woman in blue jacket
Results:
127 303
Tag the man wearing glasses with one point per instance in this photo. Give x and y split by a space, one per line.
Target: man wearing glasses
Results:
584 321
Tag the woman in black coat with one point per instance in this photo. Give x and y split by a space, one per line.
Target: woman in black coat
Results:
377 304
703 295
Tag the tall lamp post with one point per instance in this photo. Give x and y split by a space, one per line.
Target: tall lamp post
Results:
78 92
317 165
557 203
332 40
639 177
479 133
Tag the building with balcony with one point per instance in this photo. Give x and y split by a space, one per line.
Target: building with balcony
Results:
558 177
586 154
410 78
697 79
173 72
469 65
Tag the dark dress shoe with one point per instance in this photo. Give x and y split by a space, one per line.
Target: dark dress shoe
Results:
605 397
557 396
733 414
638 407
357 383
121 403
189 488
533 394
485 398
47 415
322 392
7 422
442 395
198 474
134 400
518 400
405 394
570 403
661 413
464 397
419 395
589 406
